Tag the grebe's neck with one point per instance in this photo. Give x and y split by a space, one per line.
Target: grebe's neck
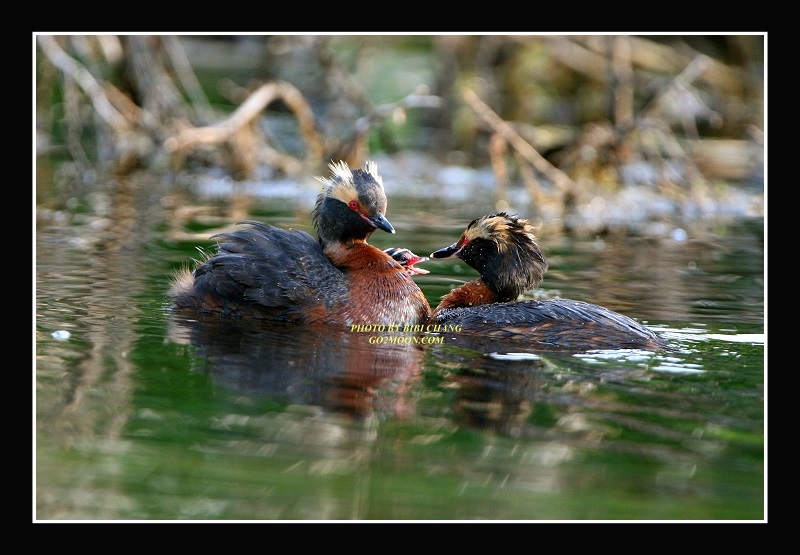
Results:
373 274
473 293
357 254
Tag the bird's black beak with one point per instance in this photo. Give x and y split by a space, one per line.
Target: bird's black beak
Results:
379 221
446 252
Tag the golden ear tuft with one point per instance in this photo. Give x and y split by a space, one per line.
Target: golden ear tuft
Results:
371 167
341 170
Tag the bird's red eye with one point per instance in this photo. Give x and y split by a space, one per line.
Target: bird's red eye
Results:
353 204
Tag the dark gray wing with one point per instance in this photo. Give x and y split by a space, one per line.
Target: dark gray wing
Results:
562 322
267 269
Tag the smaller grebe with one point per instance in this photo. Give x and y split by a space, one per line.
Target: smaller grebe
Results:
266 272
407 259
503 249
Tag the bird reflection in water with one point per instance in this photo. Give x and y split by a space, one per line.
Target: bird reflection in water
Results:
334 369
491 390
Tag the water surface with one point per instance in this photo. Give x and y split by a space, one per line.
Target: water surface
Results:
142 414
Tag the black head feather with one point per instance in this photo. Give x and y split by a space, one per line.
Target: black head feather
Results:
503 249
352 205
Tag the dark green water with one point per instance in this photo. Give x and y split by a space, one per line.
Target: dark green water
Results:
143 415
